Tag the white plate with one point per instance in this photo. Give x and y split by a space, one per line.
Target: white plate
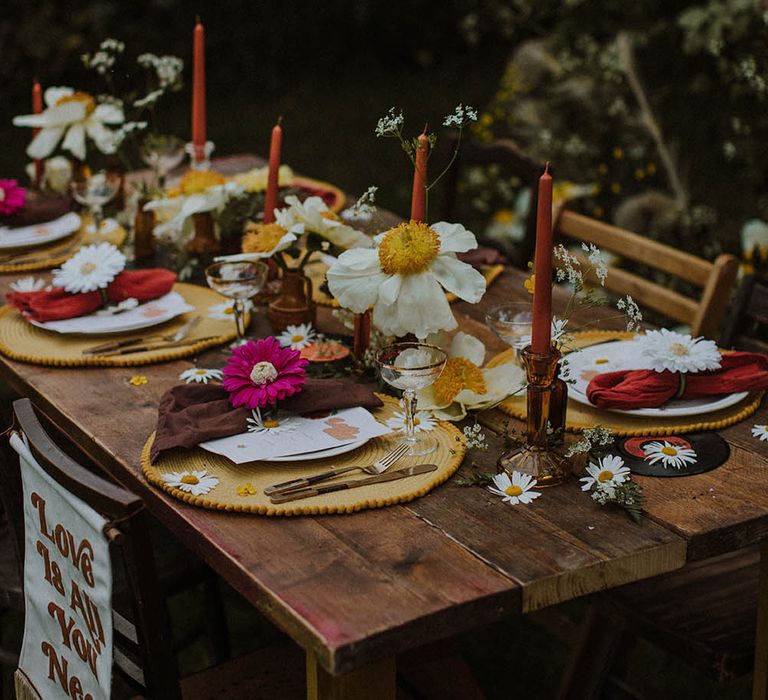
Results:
146 315
625 354
26 236
320 454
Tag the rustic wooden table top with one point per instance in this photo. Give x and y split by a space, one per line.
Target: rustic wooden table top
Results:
352 589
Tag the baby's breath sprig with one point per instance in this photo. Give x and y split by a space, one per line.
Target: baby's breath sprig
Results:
474 437
628 495
593 440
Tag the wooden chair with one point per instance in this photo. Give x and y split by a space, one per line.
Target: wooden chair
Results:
715 279
746 326
142 653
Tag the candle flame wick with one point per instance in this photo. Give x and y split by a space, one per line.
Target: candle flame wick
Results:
546 168
279 120
197 19
424 133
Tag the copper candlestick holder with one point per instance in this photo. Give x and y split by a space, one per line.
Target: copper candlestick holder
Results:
536 457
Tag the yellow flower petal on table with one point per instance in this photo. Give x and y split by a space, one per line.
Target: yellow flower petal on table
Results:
247 489
138 380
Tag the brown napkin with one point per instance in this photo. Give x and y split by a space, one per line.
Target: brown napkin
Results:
193 413
39 209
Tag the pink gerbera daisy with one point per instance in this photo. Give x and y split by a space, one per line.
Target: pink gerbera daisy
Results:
12 197
261 373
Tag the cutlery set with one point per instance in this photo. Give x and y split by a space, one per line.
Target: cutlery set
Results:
148 342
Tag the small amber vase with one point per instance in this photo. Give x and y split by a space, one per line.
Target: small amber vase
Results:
143 232
204 239
536 457
294 304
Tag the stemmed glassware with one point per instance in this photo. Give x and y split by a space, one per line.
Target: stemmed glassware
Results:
162 154
94 192
410 367
512 323
238 281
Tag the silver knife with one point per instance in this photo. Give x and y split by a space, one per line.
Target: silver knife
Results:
343 485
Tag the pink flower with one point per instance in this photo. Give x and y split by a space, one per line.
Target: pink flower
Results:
12 197
261 373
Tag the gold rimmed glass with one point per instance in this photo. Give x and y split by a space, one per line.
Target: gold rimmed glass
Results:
238 281
94 192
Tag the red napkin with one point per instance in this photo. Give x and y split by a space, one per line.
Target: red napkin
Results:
57 304
646 388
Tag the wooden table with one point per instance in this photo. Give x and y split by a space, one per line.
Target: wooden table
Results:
356 590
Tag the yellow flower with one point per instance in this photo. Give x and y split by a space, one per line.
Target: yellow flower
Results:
138 380
598 211
602 169
256 180
615 187
247 489
530 283
196 181
78 96
458 374
618 153
408 248
262 238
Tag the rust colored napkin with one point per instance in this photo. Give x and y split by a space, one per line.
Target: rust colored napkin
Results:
646 388
56 304
39 209
193 413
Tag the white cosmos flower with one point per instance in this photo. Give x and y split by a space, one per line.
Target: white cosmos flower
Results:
676 352
405 276
200 375
760 432
609 472
515 490
465 384
262 241
297 337
423 421
92 267
279 422
313 216
196 482
668 454
72 115
226 310
28 284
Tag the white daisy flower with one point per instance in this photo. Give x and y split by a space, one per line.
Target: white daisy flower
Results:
676 352
200 375
557 332
405 276
423 421
515 490
261 241
313 216
226 310
760 432
73 116
196 482
297 337
609 472
92 267
465 384
28 284
668 454
277 423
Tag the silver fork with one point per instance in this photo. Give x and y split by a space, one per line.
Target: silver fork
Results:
174 337
376 468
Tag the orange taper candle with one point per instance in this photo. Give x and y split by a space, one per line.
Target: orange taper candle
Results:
275 147
37 108
419 194
198 92
541 334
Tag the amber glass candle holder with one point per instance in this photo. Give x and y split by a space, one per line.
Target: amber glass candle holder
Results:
536 457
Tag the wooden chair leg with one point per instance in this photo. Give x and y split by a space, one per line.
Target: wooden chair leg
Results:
591 661
373 682
760 678
216 619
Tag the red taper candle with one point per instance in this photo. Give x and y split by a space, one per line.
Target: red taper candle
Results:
419 194
37 108
198 91
541 334
275 148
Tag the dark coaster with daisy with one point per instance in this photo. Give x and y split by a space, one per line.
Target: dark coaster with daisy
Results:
674 455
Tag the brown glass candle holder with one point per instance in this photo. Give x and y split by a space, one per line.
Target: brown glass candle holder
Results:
536 457
204 238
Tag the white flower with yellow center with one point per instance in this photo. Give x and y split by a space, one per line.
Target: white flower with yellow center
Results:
760 432
196 482
261 241
423 422
313 216
92 267
608 473
405 278
226 310
515 490
297 337
28 284
73 116
675 352
465 384
668 454
256 180
199 375
279 422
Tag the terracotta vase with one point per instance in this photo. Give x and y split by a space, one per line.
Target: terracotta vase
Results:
294 304
143 232
204 239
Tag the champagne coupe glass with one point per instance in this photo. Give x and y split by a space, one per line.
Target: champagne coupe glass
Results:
94 192
410 367
162 154
512 323
237 281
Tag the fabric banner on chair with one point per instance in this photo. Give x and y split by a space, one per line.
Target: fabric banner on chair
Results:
67 648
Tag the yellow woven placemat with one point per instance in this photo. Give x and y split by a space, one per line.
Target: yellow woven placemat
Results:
241 487
581 416
52 255
22 341
316 270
